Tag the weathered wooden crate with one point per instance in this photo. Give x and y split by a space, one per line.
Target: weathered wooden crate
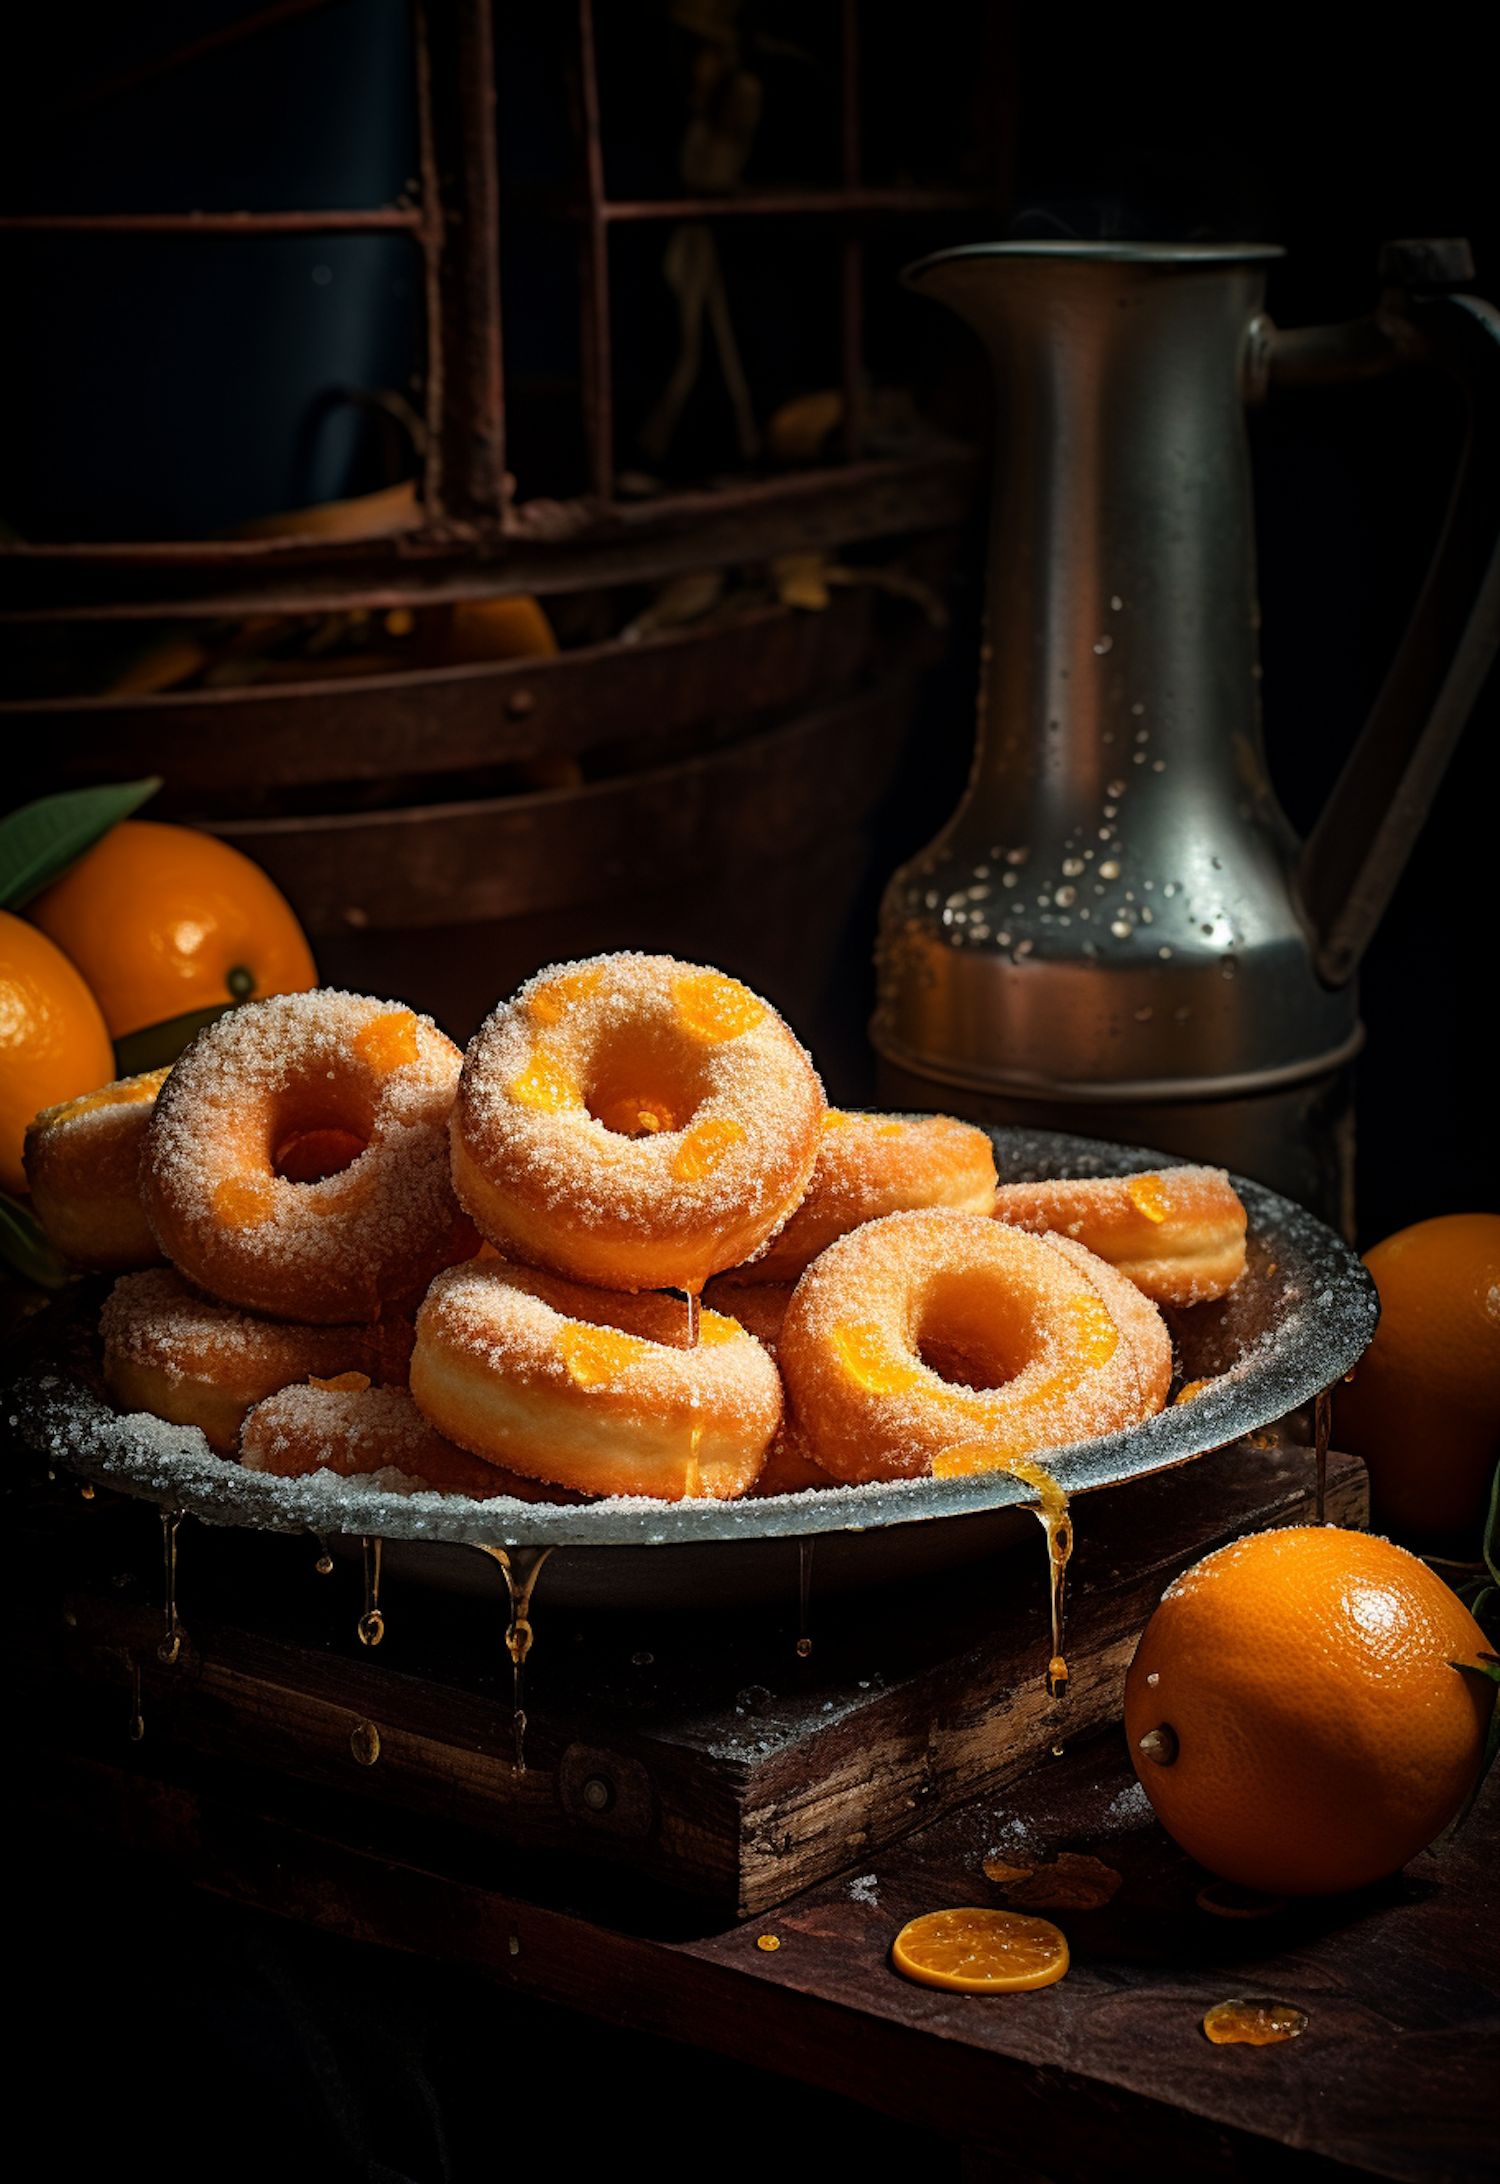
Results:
702 1752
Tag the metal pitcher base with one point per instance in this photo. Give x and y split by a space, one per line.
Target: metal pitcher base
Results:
1298 1141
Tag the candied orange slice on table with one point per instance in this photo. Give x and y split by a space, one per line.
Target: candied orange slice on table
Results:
975 1951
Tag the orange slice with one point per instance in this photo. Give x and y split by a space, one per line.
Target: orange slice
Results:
981 1952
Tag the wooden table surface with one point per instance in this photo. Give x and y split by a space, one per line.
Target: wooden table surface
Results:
1393 2077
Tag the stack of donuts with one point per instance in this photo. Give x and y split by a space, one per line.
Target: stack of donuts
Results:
621 1247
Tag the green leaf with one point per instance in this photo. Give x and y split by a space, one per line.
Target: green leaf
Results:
1492 1529
1484 1664
41 840
24 1246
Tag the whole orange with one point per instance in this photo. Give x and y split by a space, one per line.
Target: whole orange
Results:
1306 1731
53 1041
163 921
1423 1408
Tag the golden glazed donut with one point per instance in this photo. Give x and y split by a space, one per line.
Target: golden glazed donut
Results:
790 1467
634 1123
948 1342
591 1389
1178 1234
83 1166
869 1165
297 1159
182 1357
345 1425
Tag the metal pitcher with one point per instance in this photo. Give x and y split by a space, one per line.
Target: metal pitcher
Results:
1118 931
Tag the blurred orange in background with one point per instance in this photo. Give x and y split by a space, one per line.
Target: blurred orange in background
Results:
54 1043
1423 1409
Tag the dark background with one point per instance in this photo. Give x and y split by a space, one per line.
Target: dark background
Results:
1327 131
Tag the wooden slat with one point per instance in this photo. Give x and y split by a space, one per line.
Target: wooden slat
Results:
756 803
445 719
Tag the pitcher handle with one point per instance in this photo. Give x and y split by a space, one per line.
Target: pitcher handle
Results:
1358 849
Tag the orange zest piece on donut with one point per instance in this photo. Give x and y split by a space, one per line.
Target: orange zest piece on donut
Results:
243 1201
341 1383
551 1003
1149 1195
594 1355
390 1042
704 1146
862 1351
545 1086
716 1007
1190 1391
637 1115
715 1327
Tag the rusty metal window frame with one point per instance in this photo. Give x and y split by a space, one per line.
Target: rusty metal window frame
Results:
464 490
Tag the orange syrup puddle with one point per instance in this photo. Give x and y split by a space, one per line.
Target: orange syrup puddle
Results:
1254 2024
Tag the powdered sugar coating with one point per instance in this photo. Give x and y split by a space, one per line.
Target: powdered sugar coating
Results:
715 1112
593 1389
83 1160
335 1250
363 1431
790 1466
870 1165
183 1357
926 1332
1178 1234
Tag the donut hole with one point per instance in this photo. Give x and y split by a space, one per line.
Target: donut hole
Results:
308 1155
642 1086
973 1333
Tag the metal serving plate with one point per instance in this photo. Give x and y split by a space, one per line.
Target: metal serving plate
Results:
1301 1315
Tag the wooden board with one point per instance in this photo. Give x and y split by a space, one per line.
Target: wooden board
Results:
700 1752
1106 2074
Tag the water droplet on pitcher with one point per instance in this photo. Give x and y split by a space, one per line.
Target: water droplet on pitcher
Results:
1110 869
1105 644
1116 601
1116 788
1066 896
1121 928
1072 866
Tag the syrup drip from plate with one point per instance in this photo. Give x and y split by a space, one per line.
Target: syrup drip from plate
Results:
519 1567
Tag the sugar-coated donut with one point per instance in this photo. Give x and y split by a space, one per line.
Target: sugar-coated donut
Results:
869 1165
347 1426
1178 1233
949 1342
634 1123
760 1308
182 1357
592 1389
297 1159
83 1167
